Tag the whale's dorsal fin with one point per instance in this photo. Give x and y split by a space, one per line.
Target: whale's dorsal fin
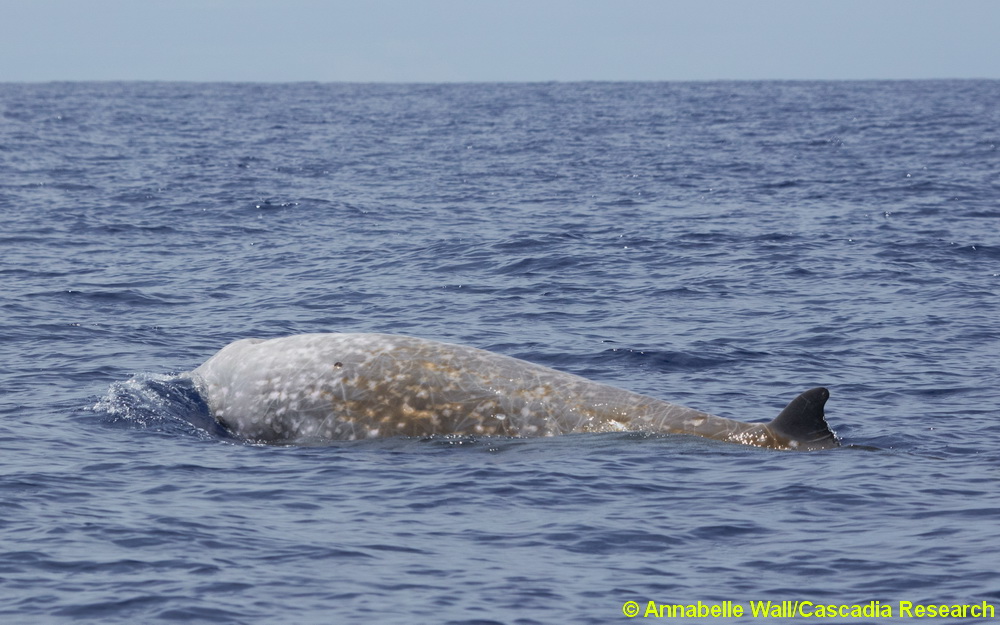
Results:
802 422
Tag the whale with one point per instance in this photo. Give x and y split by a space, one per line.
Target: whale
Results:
311 388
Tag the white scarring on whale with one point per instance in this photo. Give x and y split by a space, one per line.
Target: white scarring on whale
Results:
308 388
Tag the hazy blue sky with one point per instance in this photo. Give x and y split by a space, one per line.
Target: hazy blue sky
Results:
497 40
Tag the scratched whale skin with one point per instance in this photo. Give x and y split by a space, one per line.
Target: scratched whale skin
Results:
309 388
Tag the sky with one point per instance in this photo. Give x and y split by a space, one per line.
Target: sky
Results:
497 40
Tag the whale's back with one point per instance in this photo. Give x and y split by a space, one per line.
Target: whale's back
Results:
314 387
350 386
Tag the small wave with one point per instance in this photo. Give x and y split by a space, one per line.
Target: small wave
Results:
166 403
663 360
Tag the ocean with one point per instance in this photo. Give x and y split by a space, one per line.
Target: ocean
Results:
722 245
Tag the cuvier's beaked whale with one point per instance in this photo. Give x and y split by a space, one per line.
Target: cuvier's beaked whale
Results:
308 388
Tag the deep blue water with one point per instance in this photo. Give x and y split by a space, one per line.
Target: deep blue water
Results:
719 245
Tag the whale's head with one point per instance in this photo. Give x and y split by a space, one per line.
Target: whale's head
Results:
223 363
218 378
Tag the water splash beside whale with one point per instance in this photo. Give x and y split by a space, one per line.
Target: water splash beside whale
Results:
313 387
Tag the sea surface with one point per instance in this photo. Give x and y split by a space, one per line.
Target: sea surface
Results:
722 245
